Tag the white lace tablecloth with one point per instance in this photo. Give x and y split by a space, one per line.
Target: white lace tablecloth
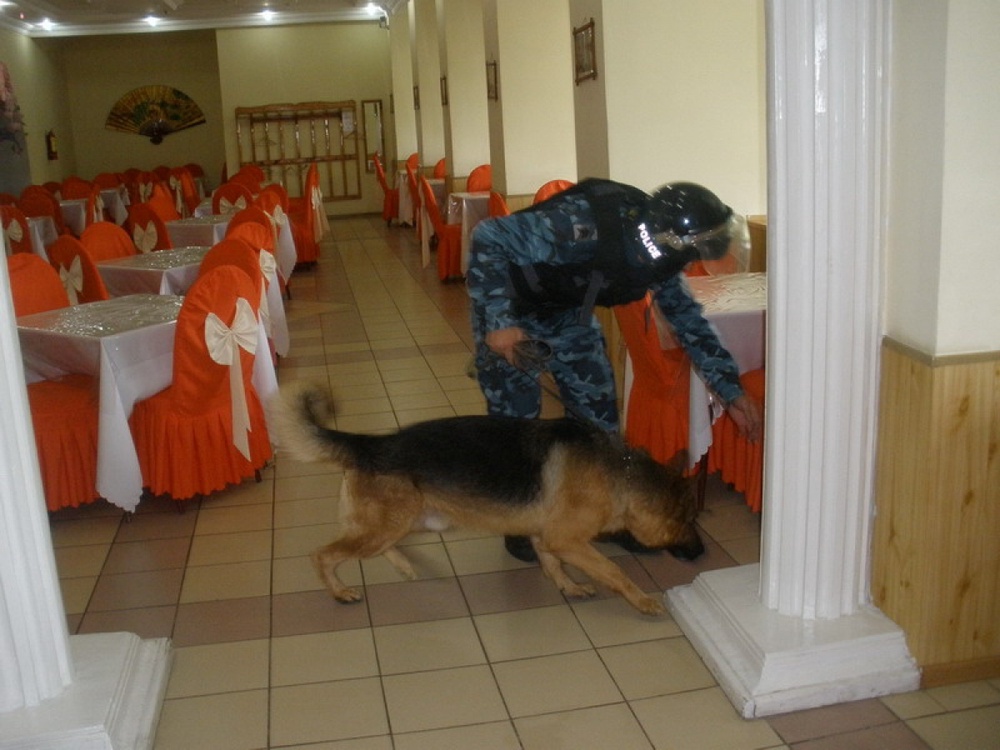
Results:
469 209
128 344
198 230
43 233
163 272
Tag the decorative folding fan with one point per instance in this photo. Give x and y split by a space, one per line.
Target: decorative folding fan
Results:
154 112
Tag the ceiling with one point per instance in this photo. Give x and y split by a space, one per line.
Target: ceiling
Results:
53 18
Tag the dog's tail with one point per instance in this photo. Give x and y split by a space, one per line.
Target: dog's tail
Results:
299 415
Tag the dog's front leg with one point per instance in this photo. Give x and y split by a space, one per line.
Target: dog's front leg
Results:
603 570
552 567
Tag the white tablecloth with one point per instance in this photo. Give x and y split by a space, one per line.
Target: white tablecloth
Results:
116 203
469 209
43 233
74 213
164 272
285 252
405 199
198 230
128 343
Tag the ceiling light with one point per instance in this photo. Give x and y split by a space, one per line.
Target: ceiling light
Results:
47 24
267 14
152 20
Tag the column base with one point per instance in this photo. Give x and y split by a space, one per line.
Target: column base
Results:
113 702
769 663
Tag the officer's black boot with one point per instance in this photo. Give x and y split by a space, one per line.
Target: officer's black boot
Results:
521 548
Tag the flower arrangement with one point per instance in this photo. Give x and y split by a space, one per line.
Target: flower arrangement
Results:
11 119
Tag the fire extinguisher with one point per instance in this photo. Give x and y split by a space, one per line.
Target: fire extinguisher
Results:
51 147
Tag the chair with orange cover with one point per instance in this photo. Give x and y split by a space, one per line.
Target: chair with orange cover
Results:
105 240
260 238
77 270
207 430
550 188
441 169
449 236
414 187
740 462
8 199
63 411
15 228
107 180
162 202
497 205
480 179
162 172
231 197
308 217
657 415
54 188
35 200
75 187
148 230
413 161
182 185
390 195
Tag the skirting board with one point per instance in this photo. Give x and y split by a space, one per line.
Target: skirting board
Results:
113 702
769 663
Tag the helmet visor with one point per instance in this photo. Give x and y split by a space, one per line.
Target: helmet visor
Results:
726 248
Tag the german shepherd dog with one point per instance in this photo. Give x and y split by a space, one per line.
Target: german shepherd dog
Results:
560 482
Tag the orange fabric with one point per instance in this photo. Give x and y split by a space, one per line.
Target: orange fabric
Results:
237 195
302 214
195 169
441 169
740 462
162 172
414 187
142 217
162 202
247 180
35 200
550 188
107 180
75 187
54 188
390 195
19 237
8 199
251 214
94 209
182 184
449 236
63 252
253 233
184 434
64 415
413 161
498 205
274 189
34 285
480 179
657 417
105 240
234 252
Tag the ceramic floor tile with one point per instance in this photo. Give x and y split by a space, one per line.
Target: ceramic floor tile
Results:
912 705
230 520
222 621
965 695
85 531
492 736
132 590
596 728
291 574
555 683
81 561
323 657
421 646
828 720
76 593
151 554
509 590
323 509
243 546
303 540
650 668
886 737
701 720
148 622
248 493
487 555
729 522
327 711
976 728
407 417
368 423
365 743
442 698
416 601
230 721
305 612
229 581
543 631
218 668
612 622
145 526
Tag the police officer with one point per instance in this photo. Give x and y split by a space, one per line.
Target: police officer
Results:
537 274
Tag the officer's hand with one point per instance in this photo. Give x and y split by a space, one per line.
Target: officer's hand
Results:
502 342
747 416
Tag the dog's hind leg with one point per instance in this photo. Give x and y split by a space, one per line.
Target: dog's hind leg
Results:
553 568
602 570
400 563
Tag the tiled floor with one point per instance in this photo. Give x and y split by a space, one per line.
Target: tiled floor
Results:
481 652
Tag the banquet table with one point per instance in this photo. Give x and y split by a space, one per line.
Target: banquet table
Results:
166 272
405 215
43 233
468 209
127 343
198 230
116 203
74 213
284 247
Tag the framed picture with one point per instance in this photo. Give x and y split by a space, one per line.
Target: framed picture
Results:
584 54
492 92
444 91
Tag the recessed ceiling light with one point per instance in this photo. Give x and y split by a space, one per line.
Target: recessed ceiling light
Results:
267 14
47 24
152 20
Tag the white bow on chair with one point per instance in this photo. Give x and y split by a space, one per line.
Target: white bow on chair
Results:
98 208
175 188
268 268
145 191
72 279
226 207
14 230
224 344
145 239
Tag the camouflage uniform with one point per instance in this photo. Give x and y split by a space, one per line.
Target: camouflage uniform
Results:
564 232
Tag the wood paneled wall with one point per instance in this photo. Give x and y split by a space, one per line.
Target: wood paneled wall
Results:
936 551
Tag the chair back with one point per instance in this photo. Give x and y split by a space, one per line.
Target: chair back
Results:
430 203
77 271
54 188
480 179
16 229
105 240
413 161
195 169
276 189
497 205
231 197
162 172
234 252
107 180
94 208
75 187
441 169
162 202
550 188
34 285
186 198
147 229
380 173
252 214
35 200
274 205
8 199
254 234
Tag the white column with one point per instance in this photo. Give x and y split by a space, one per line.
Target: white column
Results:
56 691
798 630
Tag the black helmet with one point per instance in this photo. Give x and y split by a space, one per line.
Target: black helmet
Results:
684 222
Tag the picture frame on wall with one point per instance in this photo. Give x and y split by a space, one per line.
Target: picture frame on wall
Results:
584 53
492 90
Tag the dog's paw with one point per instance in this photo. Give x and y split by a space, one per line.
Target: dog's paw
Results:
348 595
579 590
649 605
